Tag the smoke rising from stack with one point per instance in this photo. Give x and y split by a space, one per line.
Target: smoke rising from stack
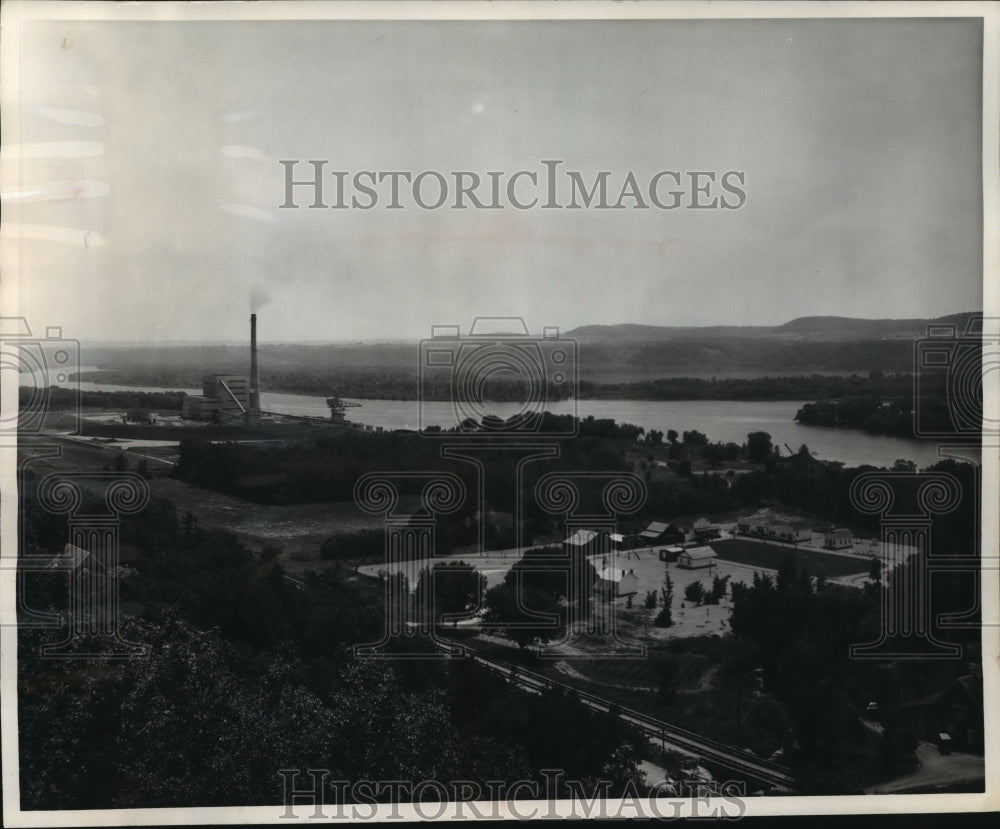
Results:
258 297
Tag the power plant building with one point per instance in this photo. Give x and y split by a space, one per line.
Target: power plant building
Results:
227 394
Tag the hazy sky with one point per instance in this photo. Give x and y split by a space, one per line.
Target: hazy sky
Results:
147 203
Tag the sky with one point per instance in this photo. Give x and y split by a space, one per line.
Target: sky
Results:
142 182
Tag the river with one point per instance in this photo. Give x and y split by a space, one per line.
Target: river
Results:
720 420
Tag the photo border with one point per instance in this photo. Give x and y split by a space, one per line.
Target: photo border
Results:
16 12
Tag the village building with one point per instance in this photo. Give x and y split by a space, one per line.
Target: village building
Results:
768 524
695 558
659 533
584 542
819 535
792 532
705 531
671 553
838 539
958 712
954 716
615 581
756 524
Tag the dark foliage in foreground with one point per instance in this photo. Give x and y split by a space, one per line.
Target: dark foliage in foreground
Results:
250 673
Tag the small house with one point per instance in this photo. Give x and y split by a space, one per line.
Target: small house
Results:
792 532
705 531
958 711
819 535
621 541
583 542
953 717
671 553
615 582
838 539
695 558
757 524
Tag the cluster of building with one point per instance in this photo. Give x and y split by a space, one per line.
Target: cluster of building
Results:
688 546
773 526
660 533
617 581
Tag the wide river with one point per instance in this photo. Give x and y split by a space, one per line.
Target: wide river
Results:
721 420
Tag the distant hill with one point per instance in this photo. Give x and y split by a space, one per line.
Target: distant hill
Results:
819 328
610 354
851 328
806 345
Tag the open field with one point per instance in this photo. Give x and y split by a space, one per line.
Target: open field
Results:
298 529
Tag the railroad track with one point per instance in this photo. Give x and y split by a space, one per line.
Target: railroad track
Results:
678 738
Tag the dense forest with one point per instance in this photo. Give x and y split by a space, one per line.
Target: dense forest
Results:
801 387
63 399
250 673
800 631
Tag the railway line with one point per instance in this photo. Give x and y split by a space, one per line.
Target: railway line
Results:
668 734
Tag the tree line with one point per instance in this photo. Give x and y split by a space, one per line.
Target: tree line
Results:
385 383
58 398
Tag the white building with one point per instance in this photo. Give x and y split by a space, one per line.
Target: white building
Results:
697 557
839 538
614 581
756 524
585 542
792 532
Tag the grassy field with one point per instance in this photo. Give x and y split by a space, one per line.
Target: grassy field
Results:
772 556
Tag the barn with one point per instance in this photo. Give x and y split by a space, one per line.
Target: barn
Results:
659 532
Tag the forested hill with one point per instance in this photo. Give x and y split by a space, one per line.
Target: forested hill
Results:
825 345
830 329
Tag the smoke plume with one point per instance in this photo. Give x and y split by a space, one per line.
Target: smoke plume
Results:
258 299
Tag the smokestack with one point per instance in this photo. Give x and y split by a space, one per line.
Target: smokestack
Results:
254 370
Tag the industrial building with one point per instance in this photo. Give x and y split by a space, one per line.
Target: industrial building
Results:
234 399
225 396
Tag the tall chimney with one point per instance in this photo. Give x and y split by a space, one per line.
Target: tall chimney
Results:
254 370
